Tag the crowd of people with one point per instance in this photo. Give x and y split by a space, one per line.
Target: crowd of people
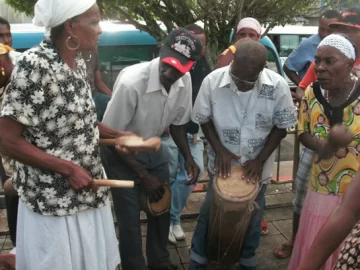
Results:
55 109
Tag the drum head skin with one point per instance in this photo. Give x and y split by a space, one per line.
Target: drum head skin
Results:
156 208
235 186
163 205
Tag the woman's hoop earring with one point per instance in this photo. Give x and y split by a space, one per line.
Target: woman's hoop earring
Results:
72 48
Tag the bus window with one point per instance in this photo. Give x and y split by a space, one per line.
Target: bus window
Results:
302 38
272 64
287 44
116 58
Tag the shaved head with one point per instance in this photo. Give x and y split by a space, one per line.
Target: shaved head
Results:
249 60
250 53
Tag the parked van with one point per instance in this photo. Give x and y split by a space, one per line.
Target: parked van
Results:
287 38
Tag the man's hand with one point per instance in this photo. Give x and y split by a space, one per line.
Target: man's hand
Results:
153 188
253 170
80 179
298 95
193 172
223 162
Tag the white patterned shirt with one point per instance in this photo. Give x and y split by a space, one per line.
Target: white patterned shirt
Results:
243 120
54 104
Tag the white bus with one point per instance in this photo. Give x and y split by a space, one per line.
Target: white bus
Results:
287 38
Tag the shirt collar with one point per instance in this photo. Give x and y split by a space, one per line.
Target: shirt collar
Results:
154 80
226 79
265 78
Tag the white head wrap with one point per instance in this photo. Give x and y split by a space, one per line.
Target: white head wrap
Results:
341 43
249 23
52 13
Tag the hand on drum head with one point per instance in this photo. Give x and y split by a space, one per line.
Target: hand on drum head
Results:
253 170
153 188
223 162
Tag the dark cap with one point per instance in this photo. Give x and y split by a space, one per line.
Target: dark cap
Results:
181 49
349 18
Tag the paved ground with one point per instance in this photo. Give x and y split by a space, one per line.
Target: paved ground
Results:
280 229
278 214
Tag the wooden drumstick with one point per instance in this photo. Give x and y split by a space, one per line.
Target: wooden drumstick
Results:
114 183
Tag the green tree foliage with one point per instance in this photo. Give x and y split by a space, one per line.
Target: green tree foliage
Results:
219 16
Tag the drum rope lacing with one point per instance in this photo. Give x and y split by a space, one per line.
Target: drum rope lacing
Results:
240 225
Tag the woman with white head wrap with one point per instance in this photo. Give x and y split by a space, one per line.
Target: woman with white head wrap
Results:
330 101
49 128
247 28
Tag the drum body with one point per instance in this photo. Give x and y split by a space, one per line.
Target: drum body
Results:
231 210
156 208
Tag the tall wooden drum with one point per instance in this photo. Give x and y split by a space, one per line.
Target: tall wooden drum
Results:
231 210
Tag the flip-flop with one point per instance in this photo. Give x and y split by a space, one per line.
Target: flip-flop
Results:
283 252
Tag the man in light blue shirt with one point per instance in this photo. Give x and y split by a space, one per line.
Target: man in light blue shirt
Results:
300 59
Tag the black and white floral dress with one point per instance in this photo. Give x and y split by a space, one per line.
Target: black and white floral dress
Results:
54 104
349 257
58 228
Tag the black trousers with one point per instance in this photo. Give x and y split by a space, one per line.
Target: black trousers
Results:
11 203
127 210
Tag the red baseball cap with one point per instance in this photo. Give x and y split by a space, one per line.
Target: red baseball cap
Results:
181 50
350 18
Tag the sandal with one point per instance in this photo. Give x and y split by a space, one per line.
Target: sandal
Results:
283 252
7 261
264 228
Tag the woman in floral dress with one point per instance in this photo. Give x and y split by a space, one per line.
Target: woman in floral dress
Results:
329 101
49 128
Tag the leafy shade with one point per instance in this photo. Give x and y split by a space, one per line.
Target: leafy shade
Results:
219 16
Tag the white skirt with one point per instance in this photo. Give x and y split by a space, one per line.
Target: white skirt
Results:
84 241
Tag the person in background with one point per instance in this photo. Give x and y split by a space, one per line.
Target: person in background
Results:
247 28
100 91
349 24
6 38
50 132
7 61
149 97
6 68
334 97
300 59
295 68
180 190
244 110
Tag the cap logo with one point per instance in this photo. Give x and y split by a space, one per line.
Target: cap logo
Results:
184 49
174 61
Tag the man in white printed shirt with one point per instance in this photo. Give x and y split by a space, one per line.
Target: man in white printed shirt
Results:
244 110
148 98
